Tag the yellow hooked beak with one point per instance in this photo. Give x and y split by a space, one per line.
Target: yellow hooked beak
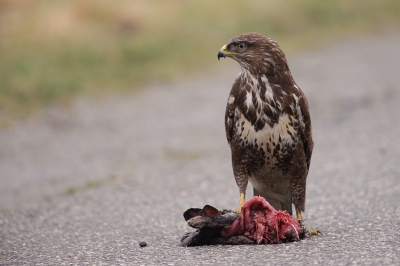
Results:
224 53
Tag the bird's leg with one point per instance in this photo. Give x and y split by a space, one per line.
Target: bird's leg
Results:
300 219
241 202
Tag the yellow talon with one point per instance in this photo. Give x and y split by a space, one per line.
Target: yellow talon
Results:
242 200
300 219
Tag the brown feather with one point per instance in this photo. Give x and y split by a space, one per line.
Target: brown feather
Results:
268 124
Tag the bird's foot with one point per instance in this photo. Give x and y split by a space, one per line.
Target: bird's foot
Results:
306 232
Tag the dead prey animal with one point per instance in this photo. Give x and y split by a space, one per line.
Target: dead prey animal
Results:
258 223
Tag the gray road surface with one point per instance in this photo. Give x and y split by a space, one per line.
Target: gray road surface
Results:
83 185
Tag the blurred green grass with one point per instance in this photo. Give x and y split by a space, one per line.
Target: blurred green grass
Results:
51 51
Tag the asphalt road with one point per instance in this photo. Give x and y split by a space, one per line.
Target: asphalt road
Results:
83 185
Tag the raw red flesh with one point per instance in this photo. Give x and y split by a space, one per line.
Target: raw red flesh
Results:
261 222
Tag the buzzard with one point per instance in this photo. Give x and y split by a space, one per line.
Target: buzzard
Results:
267 123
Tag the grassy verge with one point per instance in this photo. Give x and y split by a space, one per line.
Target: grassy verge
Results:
51 51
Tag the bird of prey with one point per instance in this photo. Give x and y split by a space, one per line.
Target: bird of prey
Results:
267 123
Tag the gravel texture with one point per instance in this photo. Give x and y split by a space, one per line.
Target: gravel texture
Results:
86 185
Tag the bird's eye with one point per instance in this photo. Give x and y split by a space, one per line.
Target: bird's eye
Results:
240 46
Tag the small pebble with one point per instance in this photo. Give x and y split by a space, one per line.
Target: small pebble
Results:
142 244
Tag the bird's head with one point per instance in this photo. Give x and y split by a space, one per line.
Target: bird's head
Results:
254 52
